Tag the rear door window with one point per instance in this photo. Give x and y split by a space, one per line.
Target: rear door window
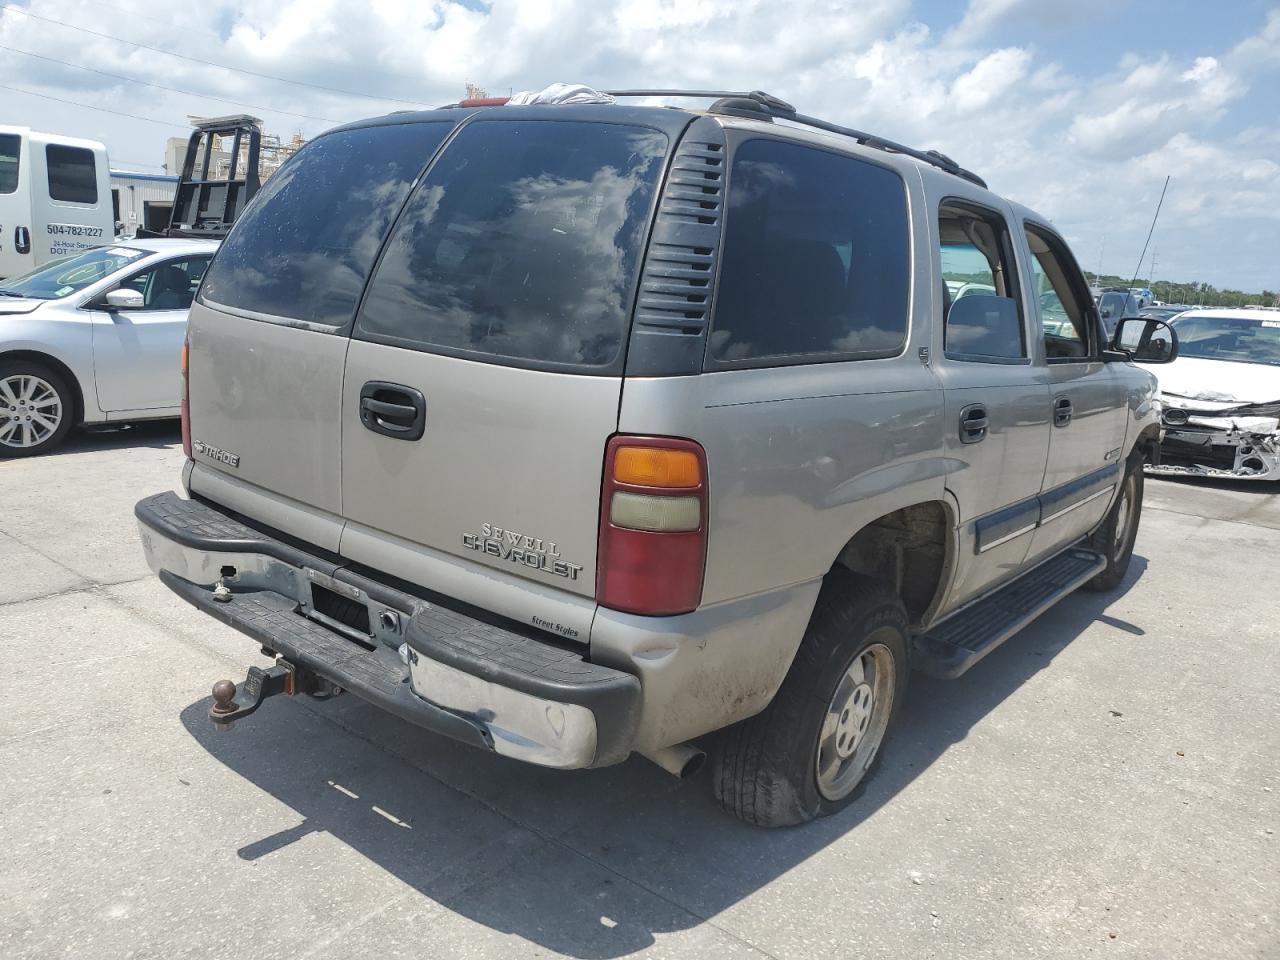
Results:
10 145
73 176
522 245
815 261
979 285
303 248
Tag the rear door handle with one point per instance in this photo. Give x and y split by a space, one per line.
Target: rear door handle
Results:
393 410
1062 411
973 422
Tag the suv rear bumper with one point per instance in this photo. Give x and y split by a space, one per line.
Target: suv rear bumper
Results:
442 668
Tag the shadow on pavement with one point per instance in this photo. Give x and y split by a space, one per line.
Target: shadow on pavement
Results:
628 841
158 434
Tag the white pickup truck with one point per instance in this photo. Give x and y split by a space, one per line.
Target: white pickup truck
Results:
55 198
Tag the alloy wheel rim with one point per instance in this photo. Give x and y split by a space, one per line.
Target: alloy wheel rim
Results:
855 721
30 411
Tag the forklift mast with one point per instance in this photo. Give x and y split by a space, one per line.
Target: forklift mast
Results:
205 205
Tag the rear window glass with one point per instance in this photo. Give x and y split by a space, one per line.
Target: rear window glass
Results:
72 177
522 242
9 146
815 256
304 246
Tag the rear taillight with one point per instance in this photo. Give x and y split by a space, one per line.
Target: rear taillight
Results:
653 525
186 398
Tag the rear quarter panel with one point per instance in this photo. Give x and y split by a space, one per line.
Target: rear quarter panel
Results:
799 459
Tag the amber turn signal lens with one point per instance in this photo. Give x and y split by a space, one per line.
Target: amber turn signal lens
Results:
185 354
656 467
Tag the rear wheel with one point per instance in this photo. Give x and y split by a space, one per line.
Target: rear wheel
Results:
36 409
1115 538
811 752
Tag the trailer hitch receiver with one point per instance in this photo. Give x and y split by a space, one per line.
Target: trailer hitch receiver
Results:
230 703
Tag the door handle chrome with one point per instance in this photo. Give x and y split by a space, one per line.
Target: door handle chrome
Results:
1062 411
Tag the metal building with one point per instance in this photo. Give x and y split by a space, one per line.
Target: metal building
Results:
141 200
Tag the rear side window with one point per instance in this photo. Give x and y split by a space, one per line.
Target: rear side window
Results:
304 246
73 177
979 285
815 261
10 144
522 243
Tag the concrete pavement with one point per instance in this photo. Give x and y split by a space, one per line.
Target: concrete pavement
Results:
1107 783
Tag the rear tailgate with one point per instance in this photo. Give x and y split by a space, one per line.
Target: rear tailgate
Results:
503 302
507 472
270 330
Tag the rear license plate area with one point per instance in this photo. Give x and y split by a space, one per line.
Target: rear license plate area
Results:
349 617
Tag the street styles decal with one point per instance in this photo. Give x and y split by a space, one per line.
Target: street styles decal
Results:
532 552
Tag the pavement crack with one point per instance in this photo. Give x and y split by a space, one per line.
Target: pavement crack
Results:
65 591
54 560
85 586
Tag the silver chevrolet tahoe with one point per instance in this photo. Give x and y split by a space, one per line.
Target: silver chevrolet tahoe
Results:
581 430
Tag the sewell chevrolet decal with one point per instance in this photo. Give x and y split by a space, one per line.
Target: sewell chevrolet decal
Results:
522 549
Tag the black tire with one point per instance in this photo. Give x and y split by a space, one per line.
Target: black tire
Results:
765 769
1110 540
66 408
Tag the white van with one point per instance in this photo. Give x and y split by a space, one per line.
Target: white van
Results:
55 198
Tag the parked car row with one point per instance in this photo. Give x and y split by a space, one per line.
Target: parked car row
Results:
1221 397
94 338
91 334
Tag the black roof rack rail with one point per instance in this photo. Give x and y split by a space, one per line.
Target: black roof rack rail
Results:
931 157
775 107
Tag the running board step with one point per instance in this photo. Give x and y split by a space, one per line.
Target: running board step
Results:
960 641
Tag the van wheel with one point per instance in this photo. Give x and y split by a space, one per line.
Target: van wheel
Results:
812 751
1115 538
36 409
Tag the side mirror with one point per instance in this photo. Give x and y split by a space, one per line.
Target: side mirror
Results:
124 299
1146 340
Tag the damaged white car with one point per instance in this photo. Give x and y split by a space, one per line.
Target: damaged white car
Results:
1221 396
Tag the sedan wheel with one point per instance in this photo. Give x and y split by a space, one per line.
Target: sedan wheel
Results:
35 413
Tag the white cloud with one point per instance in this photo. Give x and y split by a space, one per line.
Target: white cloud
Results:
991 78
1089 151
1127 112
981 15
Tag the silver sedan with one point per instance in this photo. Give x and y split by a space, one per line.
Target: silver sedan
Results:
95 338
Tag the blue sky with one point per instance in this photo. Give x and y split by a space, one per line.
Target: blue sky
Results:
1078 109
